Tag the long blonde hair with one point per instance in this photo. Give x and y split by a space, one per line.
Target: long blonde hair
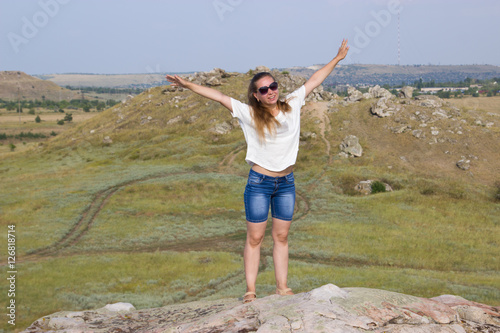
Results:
263 119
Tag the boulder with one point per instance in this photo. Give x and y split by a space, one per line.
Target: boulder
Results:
463 164
260 69
429 101
354 95
324 309
384 107
365 187
379 92
351 146
222 128
406 92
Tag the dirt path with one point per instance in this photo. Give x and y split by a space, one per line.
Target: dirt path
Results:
319 110
224 242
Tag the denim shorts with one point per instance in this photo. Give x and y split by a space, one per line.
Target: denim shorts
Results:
263 191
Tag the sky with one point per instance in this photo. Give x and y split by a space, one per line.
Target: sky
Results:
152 36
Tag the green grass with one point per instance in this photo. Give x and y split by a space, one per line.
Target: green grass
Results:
157 217
145 279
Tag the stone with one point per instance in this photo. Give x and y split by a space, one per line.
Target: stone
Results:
350 145
324 309
406 92
259 69
120 307
365 187
418 133
174 120
354 95
383 108
463 164
429 101
379 92
107 140
222 128
213 81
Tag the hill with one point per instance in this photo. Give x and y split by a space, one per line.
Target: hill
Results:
393 75
107 80
345 74
143 202
16 85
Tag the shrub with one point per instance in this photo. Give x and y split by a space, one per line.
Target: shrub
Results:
378 186
12 147
60 122
37 119
496 197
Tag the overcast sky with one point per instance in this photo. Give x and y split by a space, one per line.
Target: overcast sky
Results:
146 36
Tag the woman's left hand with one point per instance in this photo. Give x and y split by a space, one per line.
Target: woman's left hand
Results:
342 50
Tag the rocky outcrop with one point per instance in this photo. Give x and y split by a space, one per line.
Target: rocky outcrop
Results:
406 92
365 187
384 107
350 146
325 309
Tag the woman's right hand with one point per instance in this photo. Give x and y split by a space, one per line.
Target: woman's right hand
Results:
177 81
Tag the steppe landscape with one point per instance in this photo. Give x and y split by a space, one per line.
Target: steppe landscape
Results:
142 203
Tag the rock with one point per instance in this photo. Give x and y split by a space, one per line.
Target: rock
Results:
325 309
222 128
378 92
259 69
418 133
383 108
120 307
107 140
429 101
365 187
354 95
307 135
213 81
400 129
406 92
471 311
174 120
463 164
350 145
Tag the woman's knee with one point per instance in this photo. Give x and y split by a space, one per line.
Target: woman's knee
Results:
254 240
280 237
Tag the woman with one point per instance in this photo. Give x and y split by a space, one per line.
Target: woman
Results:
272 129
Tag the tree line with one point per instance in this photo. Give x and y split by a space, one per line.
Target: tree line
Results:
57 106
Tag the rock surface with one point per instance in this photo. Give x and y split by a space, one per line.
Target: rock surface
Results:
325 309
350 145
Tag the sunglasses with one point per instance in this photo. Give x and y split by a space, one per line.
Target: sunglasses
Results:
264 90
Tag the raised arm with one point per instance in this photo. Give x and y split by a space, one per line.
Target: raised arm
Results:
207 92
321 74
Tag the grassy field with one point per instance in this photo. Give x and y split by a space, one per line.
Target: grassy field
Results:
156 216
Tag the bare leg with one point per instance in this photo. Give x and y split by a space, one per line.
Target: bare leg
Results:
280 252
251 255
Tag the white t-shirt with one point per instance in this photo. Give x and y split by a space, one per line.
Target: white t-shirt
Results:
279 151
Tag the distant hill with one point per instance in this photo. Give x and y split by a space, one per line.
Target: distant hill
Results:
16 84
344 74
392 74
107 80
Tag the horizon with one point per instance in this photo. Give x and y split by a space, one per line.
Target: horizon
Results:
291 67
42 37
